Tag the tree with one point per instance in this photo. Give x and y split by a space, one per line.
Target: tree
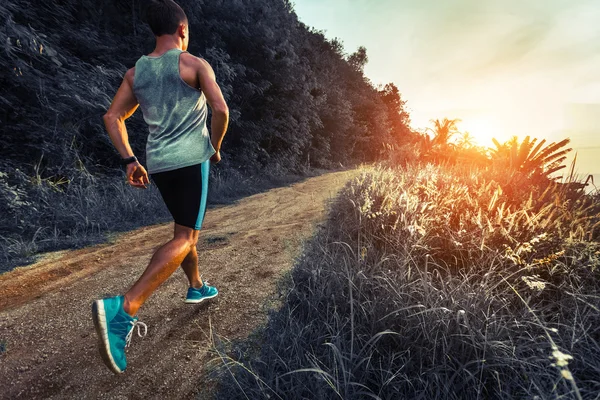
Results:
359 59
398 117
466 141
443 131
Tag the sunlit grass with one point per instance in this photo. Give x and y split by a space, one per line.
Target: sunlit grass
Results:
431 282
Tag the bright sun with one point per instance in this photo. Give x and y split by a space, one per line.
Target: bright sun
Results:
481 128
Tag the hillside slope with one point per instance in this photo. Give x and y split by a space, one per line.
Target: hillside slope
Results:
295 103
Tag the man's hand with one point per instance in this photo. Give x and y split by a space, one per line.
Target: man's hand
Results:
137 175
216 157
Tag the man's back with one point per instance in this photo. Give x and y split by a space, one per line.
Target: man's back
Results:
175 112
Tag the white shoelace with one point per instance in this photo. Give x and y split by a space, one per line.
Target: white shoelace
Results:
139 325
203 281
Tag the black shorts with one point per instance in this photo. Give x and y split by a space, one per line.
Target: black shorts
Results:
184 191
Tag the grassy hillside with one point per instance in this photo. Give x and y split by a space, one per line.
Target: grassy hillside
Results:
297 101
431 282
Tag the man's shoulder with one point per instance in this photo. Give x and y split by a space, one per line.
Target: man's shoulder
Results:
129 75
193 61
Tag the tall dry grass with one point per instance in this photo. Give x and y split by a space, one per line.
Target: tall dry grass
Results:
47 214
431 282
69 213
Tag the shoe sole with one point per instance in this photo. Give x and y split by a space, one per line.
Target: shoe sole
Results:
99 317
200 300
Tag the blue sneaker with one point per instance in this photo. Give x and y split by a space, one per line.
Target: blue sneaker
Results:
195 296
115 329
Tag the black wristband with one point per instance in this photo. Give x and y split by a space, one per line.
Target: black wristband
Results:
128 160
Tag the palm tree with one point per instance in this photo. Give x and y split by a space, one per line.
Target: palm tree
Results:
529 158
443 131
466 141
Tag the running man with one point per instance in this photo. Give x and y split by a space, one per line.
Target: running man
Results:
172 87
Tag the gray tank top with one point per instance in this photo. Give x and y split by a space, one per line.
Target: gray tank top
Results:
175 113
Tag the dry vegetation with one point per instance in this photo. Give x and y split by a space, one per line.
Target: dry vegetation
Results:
432 282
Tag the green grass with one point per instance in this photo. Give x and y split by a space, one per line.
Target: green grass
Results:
431 282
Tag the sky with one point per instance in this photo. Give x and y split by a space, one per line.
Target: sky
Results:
504 67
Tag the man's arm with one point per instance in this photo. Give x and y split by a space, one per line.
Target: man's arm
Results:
214 97
122 107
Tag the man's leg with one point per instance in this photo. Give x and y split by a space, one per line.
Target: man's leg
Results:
163 263
190 266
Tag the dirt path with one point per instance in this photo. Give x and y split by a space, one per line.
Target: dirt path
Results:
46 332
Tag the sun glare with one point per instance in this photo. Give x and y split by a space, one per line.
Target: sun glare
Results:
481 128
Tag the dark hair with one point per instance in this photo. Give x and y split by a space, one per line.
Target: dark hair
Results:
164 16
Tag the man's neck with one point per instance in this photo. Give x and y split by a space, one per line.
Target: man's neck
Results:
165 43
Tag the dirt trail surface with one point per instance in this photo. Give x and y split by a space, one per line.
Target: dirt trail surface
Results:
47 339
